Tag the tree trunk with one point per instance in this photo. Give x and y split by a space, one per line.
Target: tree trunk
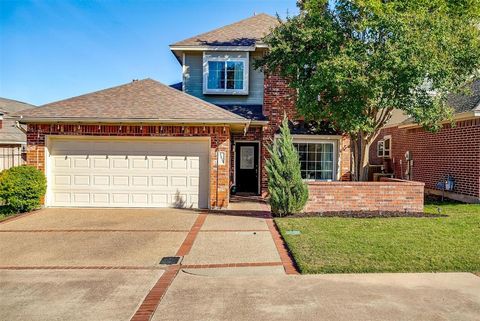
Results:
360 145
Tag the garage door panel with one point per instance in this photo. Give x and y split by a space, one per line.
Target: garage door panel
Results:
101 180
129 174
62 180
160 181
81 180
159 163
101 163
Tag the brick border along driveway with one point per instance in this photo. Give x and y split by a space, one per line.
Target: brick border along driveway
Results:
153 298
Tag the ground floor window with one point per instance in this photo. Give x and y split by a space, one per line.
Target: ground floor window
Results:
317 160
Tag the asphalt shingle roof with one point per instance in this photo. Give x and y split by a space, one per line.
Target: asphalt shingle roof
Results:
139 100
9 133
251 112
247 32
467 102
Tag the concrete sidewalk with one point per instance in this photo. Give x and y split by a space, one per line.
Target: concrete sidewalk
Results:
396 297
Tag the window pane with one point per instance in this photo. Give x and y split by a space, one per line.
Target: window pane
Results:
386 144
327 166
216 75
327 175
310 175
235 75
302 147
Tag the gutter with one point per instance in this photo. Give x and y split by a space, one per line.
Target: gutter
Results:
212 48
456 117
50 120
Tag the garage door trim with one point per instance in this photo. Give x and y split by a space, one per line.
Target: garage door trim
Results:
51 139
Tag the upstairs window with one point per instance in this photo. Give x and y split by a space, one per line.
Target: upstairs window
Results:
226 76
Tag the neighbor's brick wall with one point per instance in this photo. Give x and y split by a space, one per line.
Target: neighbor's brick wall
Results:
386 195
452 150
220 138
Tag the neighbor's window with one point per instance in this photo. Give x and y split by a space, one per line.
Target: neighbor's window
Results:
316 160
380 148
384 147
226 76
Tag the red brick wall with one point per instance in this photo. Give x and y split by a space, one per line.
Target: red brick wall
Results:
388 195
219 138
452 150
278 99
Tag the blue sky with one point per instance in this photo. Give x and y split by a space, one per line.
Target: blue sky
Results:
51 50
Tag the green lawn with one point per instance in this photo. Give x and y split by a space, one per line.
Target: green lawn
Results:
344 245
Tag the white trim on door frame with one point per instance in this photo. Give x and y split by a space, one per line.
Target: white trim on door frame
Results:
259 187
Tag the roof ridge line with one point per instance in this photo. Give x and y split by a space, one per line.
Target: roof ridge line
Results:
93 92
221 27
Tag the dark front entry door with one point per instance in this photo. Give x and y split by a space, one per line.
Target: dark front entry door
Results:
246 167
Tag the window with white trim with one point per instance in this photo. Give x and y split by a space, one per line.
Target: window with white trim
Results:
384 147
225 76
317 160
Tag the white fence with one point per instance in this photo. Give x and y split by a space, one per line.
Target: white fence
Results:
11 156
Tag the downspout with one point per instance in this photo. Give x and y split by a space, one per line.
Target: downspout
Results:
17 125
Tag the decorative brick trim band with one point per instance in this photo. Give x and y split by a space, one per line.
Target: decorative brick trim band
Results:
192 235
287 261
70 267
153 298
86 231
230 265
235 231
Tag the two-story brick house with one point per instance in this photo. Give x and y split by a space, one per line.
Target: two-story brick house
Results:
144 144
218 66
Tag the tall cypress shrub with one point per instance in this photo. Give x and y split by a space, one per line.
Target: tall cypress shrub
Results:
288 192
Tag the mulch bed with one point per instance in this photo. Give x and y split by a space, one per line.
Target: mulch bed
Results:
367 214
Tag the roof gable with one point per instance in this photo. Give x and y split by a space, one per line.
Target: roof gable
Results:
143 100
247 32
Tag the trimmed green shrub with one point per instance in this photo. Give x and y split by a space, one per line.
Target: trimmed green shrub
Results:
22 187
288 192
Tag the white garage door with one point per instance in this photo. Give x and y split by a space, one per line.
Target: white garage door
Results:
128 173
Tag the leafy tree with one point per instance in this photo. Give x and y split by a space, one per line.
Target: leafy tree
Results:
353 61
288 192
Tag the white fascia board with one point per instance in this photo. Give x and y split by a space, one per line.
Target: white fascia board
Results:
219 122
212 48
314 137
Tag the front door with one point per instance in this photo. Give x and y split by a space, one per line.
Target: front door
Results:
246 166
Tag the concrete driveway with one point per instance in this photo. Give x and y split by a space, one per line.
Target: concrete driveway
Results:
94 237
85 264
103 264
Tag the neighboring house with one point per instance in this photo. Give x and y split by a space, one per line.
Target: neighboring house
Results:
144 144
409 152
13 140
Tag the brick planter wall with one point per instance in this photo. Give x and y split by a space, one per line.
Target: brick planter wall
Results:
219 139
386 195
452 150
